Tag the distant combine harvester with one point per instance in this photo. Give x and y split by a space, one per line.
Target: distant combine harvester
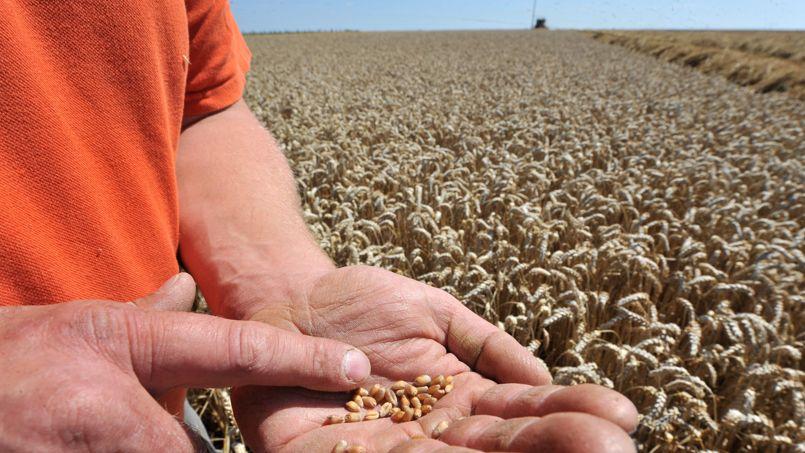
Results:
541 23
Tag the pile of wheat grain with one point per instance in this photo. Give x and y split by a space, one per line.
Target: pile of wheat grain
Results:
634 223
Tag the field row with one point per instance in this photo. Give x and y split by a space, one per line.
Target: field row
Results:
765 61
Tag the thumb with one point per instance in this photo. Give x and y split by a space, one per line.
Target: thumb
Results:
176 294
489 350
194 350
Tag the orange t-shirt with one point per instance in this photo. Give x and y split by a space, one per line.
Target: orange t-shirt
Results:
92 96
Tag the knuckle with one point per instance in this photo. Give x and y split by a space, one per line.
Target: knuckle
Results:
245 348
94 321
107 329
319 364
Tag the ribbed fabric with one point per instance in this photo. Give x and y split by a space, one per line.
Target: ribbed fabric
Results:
92 96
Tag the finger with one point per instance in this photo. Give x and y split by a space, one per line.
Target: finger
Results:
559 433
192 350
176 294
489 350
517 400
428 446
467 389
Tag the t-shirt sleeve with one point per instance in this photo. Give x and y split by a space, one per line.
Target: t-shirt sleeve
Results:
219 58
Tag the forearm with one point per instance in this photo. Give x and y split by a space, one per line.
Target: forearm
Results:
240 219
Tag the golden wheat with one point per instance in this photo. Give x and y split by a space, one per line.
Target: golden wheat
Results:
766 61
635 224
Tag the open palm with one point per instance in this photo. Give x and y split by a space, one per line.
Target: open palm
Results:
406 329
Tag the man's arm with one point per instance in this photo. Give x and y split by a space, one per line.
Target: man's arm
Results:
240 215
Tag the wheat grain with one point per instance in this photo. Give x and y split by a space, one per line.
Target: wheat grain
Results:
399 410
353 417
352 406
340 447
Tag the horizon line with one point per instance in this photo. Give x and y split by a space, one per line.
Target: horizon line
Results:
358 30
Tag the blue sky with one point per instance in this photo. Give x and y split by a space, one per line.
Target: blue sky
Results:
283 15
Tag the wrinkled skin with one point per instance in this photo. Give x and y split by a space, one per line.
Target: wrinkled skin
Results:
82 375
406 329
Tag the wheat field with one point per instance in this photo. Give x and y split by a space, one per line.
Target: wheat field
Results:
636 224
765 61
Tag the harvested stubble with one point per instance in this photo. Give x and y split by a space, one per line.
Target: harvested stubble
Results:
402 401
764 60
636 224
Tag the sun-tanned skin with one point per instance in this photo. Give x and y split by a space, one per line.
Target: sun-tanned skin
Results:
243 238
81 376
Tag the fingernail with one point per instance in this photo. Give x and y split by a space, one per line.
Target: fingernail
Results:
356 366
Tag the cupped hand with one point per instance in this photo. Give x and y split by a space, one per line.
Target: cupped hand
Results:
82 375
407 328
